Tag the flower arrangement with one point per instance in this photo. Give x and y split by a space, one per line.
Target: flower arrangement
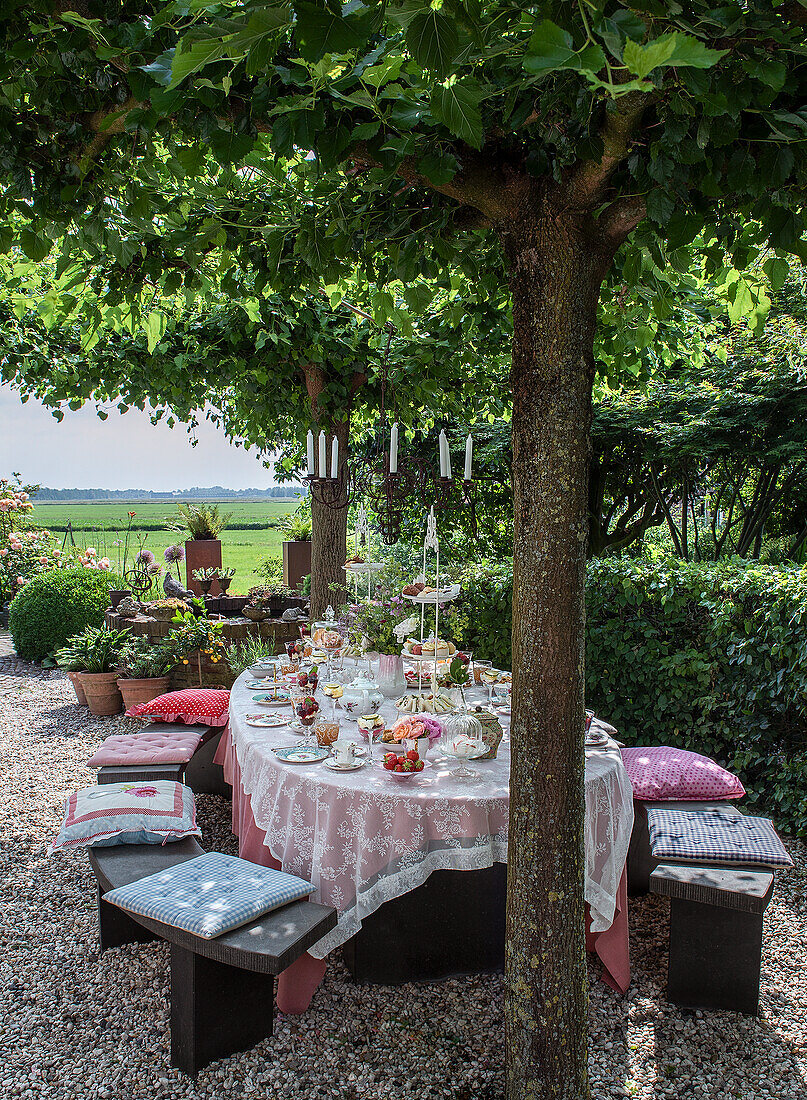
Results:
375 621
411 728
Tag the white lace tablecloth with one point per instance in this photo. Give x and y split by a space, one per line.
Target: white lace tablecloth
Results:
363 838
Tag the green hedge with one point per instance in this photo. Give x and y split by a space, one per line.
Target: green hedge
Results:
706 657
57 604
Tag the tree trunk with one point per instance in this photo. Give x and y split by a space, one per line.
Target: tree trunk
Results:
555 278
329 540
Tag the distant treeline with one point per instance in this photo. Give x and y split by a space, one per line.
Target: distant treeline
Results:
144 496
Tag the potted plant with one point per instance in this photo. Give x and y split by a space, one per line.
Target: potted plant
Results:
73 656
166 609
203 523
205 577
252 651
144 669
296 528
196 635
225 577
98 676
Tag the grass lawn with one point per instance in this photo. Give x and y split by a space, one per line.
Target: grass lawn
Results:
103 526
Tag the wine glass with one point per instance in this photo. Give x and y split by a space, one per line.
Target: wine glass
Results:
333 690
490 676
501 692
478 667
305 709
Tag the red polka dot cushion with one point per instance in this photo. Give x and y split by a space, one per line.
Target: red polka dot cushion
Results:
193 706
662 773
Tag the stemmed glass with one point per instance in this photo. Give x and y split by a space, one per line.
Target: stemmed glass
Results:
462 749
490 676
502 694
302 722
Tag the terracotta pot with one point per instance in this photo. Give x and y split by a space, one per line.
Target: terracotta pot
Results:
202 554
296 562
75 680
116 595
101 689
135 692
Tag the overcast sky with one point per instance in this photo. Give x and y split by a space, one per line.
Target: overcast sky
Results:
122 452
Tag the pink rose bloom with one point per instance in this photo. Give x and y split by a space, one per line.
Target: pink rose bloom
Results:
3 505
20 580
57 553
43 559
91 552
104 563
23 496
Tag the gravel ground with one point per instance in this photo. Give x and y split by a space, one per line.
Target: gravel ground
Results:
77 1025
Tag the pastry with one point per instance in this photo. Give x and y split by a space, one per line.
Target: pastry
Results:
410 590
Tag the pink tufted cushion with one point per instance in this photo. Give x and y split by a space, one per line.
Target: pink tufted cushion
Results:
146 748
194 706
661 773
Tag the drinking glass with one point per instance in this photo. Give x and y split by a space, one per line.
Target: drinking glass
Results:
502 694
479 666
490 676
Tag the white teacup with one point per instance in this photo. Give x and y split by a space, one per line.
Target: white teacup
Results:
344 752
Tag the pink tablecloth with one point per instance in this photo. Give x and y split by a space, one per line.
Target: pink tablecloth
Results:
297 985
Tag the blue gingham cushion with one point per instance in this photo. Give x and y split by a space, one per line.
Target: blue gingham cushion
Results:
210 894
714 836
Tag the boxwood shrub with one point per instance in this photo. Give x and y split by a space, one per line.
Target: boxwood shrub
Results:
57 604
708 657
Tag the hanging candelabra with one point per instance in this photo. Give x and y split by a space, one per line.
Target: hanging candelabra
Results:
386 478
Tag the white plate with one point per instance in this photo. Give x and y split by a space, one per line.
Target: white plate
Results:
429 657
334 766
363 567
302 754
265 721
257 685
597 740
442 595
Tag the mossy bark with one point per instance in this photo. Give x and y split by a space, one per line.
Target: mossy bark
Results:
555 277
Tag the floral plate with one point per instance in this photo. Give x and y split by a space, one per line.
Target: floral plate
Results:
279 698
265 721
302 754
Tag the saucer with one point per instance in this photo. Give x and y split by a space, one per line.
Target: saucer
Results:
596 740
265 721
335 766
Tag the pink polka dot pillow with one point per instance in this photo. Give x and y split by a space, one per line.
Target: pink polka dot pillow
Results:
193 706
662 773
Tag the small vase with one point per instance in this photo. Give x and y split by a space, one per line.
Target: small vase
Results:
391 679
224 584
421 745
492 732
116 595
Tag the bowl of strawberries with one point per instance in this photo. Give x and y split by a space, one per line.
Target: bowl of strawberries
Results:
404 765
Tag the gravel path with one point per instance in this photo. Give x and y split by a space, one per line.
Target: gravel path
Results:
79 1026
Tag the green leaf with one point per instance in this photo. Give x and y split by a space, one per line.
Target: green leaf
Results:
433 40
669 50
457 106
660 206
193 59
777 271
35 248
552 48
251 307
438 169
320 31
155 325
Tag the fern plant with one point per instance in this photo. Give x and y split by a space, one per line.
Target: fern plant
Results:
201 521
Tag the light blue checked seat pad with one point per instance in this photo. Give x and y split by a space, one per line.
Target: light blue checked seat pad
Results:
210 894
714 836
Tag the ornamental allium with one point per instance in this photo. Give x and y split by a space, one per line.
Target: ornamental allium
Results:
174 553
145 557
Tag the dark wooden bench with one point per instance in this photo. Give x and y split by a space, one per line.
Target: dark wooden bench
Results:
715 933
200 773
222 990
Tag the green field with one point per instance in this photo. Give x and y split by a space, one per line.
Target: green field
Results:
104 525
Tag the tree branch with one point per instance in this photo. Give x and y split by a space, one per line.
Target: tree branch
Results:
622 119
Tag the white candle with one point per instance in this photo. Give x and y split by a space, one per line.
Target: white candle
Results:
444 456
323 470
310 453
335 458
469 451
393 449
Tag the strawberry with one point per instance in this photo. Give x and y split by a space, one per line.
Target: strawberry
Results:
419 766
401 759
413 756
398 768
407 766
